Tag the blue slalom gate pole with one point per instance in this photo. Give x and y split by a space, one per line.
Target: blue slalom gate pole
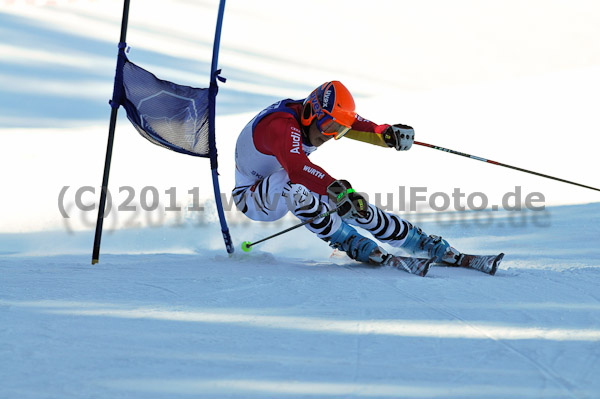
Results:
214 75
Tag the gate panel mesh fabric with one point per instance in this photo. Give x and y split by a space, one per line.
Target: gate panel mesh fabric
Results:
167 114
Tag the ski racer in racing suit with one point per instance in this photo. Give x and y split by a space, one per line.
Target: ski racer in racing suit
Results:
275 176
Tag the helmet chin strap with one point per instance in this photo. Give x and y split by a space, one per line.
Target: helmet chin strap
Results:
305 134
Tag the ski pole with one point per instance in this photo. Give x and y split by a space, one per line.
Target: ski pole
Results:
247 245
502 164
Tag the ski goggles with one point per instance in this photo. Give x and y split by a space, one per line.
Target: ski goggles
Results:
330 127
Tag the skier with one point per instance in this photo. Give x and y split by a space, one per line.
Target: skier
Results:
275 176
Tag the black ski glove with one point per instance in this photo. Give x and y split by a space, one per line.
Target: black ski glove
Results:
399 136
350 203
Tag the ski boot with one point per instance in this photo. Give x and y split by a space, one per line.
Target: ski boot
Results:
356 246
435 246
366 250
439 248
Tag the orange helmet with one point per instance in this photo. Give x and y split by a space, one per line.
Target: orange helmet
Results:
330 102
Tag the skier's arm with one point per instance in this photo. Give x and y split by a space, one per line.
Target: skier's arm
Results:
279 135
366 137
398 136
366 131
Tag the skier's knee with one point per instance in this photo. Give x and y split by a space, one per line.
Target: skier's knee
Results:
305 205
299 199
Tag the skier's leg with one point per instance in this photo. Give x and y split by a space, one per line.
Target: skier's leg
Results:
397 232
272 197
306 205
262 201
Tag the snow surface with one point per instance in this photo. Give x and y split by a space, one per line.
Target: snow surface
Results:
289 322
167 314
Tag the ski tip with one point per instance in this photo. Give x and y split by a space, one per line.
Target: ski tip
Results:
496 264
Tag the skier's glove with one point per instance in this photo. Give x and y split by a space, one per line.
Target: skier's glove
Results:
350 204
399 136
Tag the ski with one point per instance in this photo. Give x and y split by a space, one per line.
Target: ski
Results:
418 266
484 263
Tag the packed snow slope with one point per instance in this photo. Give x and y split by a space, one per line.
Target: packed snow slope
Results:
287 321
167 314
